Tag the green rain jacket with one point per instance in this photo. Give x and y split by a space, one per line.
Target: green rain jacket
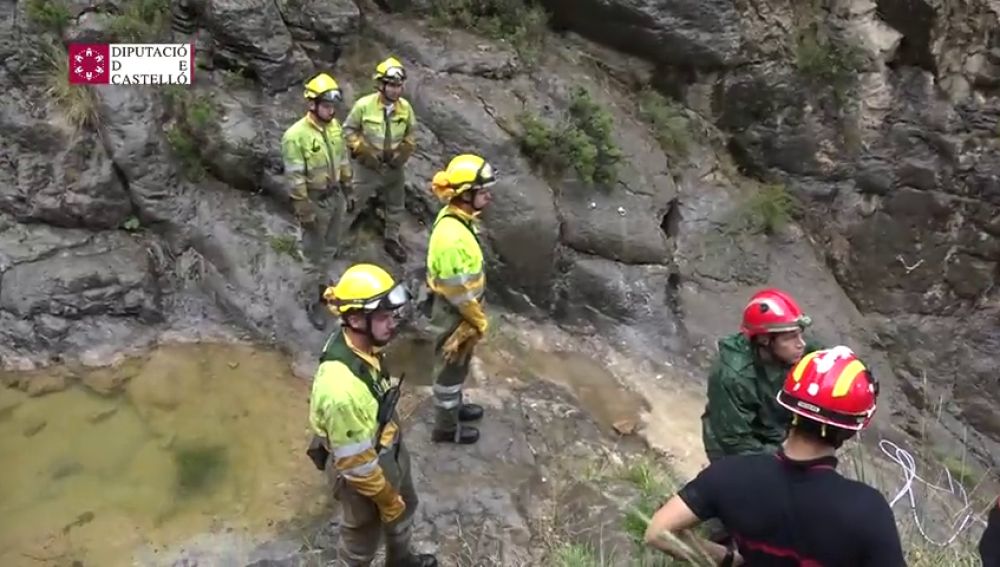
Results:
742 415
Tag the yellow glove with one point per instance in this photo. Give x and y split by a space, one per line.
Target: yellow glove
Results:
305 211
346 174
390 504
460 342
402 154
366 155
472 312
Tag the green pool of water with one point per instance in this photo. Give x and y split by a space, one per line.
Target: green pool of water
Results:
128 463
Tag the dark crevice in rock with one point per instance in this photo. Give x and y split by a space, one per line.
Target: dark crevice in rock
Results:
915 20
673 298
670 223
746 164
671 80
123 179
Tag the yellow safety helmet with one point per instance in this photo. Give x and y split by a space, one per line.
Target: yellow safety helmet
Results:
365 287
322 88
390 71
464 172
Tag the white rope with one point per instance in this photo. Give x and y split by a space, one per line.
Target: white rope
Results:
905 460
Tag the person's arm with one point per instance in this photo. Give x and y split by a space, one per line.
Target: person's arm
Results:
732 409
295 167
693 504
666 533
344 172
353 135
458 278
883 546
408 143
989 544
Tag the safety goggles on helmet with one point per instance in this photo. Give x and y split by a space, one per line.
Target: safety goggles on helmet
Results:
799 324
486 176
333 96
394 76
395 298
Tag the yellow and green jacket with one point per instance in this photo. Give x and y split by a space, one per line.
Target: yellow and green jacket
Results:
369 123
343 409
315 156
455 264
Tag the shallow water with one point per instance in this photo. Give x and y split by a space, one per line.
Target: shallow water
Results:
161 451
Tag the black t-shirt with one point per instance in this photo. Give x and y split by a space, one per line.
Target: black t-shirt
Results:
784 513
989 546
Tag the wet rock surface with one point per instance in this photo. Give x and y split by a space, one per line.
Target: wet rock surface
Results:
490 503
879 119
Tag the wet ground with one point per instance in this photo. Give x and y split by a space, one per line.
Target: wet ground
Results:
503 357
194 453
154 454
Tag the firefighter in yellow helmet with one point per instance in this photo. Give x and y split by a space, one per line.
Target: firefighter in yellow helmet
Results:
352 413
455 275
380 133
319 183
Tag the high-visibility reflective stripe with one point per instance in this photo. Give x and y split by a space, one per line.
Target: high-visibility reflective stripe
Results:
801 366
458 280
447 390
361 471
447 404
439 285
846 378
350 450
458 300
294 168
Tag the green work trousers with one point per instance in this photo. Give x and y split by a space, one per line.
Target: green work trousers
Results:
449 377
389 185
361 528
321 239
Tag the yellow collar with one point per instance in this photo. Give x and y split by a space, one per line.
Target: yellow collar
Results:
458 212
316 124
370 358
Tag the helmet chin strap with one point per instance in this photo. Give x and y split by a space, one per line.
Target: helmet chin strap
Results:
367 332
314 110
469 198
381 89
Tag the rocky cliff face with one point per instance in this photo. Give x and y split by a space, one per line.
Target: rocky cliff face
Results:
881 118
127 212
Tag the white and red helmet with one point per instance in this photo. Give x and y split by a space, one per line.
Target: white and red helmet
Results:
833 387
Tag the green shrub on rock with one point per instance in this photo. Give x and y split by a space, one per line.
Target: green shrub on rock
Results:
520 22
581 141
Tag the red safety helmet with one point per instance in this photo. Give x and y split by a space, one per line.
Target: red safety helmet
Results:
831 386
772 311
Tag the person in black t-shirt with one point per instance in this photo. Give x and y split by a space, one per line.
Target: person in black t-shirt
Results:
793 509
989 545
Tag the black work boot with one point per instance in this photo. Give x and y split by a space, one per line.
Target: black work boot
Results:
470 412
396 249
464 435
415 560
